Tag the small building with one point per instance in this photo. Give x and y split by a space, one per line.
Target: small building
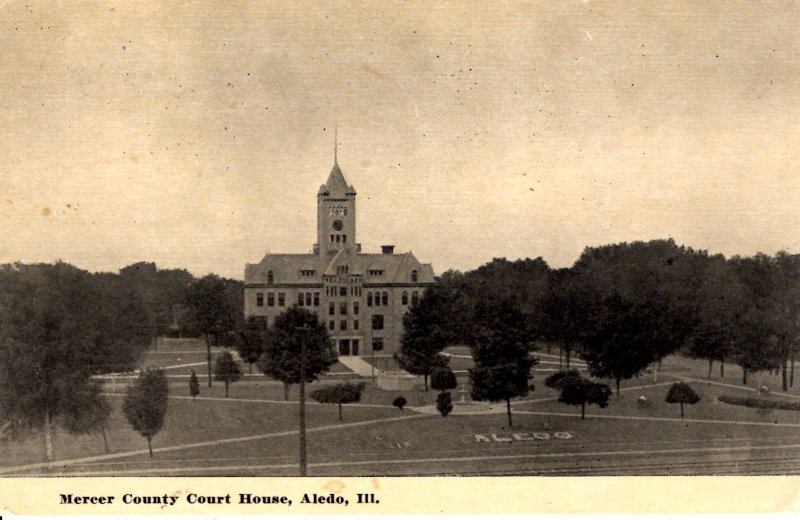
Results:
361 297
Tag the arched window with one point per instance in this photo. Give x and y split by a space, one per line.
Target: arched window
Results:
385 298
270 277
414 298
414 275
405 297
369 299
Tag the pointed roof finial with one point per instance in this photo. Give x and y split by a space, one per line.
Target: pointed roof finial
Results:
335 143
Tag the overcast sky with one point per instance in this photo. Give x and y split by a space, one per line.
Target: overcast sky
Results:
196 134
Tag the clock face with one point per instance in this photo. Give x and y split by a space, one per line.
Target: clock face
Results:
337 225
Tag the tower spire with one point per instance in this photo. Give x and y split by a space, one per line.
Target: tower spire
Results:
335 143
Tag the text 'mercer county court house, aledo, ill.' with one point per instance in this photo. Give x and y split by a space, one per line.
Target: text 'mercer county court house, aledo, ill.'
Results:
362 297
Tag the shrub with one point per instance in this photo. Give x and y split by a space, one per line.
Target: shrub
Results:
443 379
399 402
682 393
756 402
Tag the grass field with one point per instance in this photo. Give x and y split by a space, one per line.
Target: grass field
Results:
254 431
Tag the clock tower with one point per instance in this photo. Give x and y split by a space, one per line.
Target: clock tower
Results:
336 214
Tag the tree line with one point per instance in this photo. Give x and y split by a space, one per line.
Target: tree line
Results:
60 326
623 307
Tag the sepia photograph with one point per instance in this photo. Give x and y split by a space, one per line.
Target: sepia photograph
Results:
404 239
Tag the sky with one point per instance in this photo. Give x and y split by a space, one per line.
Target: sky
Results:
196 134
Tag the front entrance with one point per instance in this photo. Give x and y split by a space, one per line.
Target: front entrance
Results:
355 347
344 347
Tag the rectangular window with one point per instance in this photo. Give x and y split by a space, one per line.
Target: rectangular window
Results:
281 299
331 239
308 299
355 347
270 299
343 325
343 308
260 299
316 299
377 344
356 308
377 322
332 325
331 308
300 299
344 238
355 324
342 291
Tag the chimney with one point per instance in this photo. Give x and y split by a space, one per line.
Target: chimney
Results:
387 250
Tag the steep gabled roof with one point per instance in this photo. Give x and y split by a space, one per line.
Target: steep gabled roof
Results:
336 185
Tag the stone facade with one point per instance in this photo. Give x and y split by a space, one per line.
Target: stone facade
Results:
361 297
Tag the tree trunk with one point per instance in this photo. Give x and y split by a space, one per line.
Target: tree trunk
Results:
150 445
250 369
567 351
722 368
303 454
583 410
785 374
655 371
340 411
791 370
48 437
508 410
710 363
285 391
208 349
226 388
548 347
681 410
744 376
617 387
425 376
105 438
560 357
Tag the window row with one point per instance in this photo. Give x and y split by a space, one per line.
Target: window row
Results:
337 211
343 308
342 291
306 299
414 297
339 238
271 299
348 347
377 323
377 299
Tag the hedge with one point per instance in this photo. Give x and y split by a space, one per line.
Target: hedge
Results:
755 402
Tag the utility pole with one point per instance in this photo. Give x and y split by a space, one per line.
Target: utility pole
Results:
303 457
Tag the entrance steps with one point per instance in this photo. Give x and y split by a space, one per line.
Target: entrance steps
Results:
358 365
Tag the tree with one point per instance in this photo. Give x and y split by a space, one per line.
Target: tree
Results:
443 379
580 392
209 300
56 332
502 361
563 311
87 411
444 403
562 378
145 404
424 335
194 385
399 402
250 340
681 393
297 349
226 369
339 394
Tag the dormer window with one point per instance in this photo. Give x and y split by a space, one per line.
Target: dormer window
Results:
342 269
270 277
376 272
307 272
414 275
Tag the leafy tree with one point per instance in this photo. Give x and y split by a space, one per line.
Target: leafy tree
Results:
682 393
444 403
297 349
250 340
399 402
443 379
562 378
145 404
563 311
194 385
502 361
209 300
226 369
55 333
580 392
87 411
424 335
339 394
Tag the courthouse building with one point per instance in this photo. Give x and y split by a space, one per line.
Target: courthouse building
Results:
361 297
